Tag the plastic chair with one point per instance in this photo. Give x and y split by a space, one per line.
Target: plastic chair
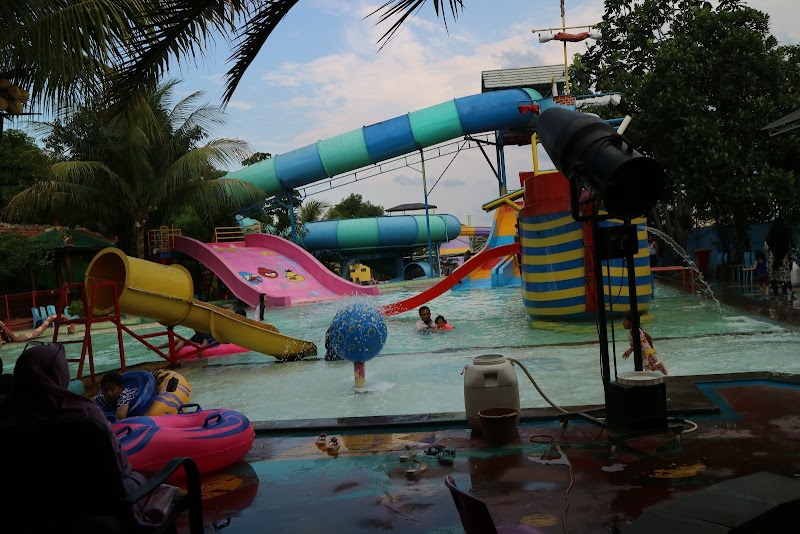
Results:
37 317
80 489
51 310
475 516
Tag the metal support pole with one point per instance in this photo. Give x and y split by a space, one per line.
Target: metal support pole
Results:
637 346
290 203
427 214
600 297
501 164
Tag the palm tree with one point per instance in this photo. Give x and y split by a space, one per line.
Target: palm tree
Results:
313 211
135 171
59 49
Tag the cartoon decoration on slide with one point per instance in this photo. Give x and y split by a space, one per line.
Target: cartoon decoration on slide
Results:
294 277
250 277
267 273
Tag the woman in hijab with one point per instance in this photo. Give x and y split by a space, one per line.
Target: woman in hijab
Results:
41 378
778 251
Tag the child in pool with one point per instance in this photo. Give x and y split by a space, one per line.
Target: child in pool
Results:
441 323
649 360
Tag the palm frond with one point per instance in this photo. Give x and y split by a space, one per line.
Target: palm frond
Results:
179 30
58 49
251 39
405 9
189 167
52 199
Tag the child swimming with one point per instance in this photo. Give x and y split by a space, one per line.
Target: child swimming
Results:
649 360
441 323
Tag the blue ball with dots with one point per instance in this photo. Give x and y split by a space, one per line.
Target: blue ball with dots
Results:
358 332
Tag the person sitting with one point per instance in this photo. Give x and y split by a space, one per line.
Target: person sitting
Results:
425 324
200 340
8 336
441 323
113 396
41 378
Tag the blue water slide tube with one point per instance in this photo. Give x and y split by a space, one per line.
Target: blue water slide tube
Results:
495 110
380 233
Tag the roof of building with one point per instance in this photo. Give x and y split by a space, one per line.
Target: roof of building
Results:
58 237
410 207
539 78
784 124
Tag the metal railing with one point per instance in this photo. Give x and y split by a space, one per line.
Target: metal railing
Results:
235 233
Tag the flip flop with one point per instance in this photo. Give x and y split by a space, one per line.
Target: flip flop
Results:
333 446
322 441
446 456
435 449
408 454
416 469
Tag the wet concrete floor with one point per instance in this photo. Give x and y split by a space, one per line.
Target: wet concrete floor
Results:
549 477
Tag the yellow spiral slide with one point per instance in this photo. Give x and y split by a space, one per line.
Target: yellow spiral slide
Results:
164 294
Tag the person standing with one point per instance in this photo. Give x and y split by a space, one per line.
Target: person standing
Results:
778 248
652 247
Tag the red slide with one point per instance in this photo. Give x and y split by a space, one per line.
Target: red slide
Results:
473 263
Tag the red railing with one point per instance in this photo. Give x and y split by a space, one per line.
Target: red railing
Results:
682 270
17 308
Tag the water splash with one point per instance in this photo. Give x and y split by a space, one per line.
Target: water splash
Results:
683 254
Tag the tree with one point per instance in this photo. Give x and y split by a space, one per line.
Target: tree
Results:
313 211
21 163
18 254
127 174
60 50
354 207
701 83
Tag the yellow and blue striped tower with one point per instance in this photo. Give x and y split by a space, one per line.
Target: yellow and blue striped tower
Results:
557 256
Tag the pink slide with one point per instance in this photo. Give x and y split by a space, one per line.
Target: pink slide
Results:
268 264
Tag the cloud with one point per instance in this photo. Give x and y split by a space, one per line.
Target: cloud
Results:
402 179
240 104
452 182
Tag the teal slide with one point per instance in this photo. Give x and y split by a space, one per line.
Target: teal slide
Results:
485 112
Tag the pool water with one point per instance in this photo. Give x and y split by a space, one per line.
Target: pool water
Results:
419 373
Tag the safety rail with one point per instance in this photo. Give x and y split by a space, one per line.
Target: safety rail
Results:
676 268
235 233
162 239
17 307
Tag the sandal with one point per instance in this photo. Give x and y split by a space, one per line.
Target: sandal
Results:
333 446
408 454
446 456
435 449
416 468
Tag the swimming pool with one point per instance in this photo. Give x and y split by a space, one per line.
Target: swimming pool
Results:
421 373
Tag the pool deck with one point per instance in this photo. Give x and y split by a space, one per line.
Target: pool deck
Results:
746 424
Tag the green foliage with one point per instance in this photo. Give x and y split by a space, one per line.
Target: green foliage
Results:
75 308
701 83
21 163
255 158
354 207
18 254
128 174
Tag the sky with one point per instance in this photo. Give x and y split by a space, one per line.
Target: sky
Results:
321 74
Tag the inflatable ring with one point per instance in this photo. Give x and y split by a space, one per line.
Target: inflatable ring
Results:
145 385
212 438
172 392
